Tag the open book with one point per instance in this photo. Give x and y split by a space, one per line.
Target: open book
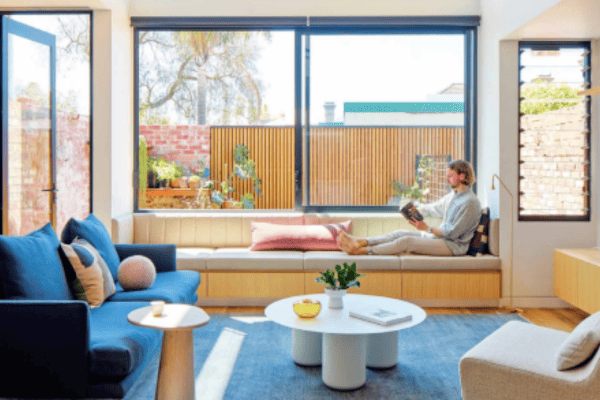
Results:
410 212
380 315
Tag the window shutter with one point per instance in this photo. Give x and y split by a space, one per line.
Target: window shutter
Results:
554 131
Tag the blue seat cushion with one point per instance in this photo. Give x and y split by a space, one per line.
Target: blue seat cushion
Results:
117 347
93 231
172 287
30 267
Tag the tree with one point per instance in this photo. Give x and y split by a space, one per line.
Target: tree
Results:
554 93
208 76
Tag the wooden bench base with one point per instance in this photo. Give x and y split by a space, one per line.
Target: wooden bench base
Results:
394 284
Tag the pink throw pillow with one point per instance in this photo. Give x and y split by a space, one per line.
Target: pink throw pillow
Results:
266 236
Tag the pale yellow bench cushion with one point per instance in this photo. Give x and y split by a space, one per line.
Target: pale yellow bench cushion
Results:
322 260
238 258
193 258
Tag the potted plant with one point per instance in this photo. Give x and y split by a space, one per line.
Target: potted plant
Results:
244 168
193 181
165 171
337 287
420 188
180 183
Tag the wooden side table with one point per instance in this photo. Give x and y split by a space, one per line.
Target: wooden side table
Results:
176 369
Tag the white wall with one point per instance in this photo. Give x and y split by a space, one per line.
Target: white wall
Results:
533 241
498 19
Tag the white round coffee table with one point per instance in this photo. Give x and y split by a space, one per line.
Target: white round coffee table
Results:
176 368
344 345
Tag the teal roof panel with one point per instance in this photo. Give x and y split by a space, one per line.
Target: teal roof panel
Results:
408 107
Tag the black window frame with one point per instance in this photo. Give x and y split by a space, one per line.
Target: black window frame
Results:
555 45
305 26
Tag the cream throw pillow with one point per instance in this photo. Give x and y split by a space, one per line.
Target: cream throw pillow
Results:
109 282
581 344
91 282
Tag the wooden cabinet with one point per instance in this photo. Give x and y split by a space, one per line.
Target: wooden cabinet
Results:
451 285
577 277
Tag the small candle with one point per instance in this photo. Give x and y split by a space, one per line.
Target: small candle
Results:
157 307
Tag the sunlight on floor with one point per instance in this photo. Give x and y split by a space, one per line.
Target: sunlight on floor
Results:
251 319
212 381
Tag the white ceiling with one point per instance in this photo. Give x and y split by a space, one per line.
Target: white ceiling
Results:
568 19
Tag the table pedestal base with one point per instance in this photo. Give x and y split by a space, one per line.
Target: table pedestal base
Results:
176 370
382 350
344 361
306 347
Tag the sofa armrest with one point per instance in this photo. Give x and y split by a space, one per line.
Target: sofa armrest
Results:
123 229
162 255
44 348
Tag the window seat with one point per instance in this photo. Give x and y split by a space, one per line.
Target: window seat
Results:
217 246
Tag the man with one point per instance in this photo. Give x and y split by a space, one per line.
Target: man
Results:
460 212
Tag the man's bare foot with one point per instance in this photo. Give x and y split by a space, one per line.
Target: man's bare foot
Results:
345 247
350 242
353 251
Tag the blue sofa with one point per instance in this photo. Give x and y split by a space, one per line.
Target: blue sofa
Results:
53 346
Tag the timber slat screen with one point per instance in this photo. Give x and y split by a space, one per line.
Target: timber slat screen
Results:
349 166
355 166
272 149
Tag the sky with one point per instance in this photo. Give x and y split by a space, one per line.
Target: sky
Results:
361 68
563 67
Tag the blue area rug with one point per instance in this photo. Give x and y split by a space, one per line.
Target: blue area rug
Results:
248 357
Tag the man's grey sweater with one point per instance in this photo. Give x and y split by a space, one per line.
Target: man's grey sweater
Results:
460 213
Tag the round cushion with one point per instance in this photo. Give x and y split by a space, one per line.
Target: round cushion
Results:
136 273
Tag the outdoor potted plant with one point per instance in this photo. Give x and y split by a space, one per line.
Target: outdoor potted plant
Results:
244 168
165 171
420 187
194 181
337 287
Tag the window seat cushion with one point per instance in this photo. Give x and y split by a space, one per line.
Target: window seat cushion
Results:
241 258
322 260
193 258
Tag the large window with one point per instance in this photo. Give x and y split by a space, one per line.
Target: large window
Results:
554 134
344 115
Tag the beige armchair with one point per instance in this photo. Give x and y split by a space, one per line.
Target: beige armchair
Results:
518 362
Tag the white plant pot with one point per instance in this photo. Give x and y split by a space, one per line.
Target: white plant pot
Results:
336 300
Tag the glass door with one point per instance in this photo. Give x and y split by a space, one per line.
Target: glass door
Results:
28 128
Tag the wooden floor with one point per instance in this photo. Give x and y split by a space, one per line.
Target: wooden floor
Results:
564 319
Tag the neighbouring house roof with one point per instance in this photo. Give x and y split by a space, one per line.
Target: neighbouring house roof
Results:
455 88
331 124
407 107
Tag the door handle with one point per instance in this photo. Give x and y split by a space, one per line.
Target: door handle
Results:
54 190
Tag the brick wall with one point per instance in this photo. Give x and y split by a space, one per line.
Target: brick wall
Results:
72 167
188 145
553 145
29 149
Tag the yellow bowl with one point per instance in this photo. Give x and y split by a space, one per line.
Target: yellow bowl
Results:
307 308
